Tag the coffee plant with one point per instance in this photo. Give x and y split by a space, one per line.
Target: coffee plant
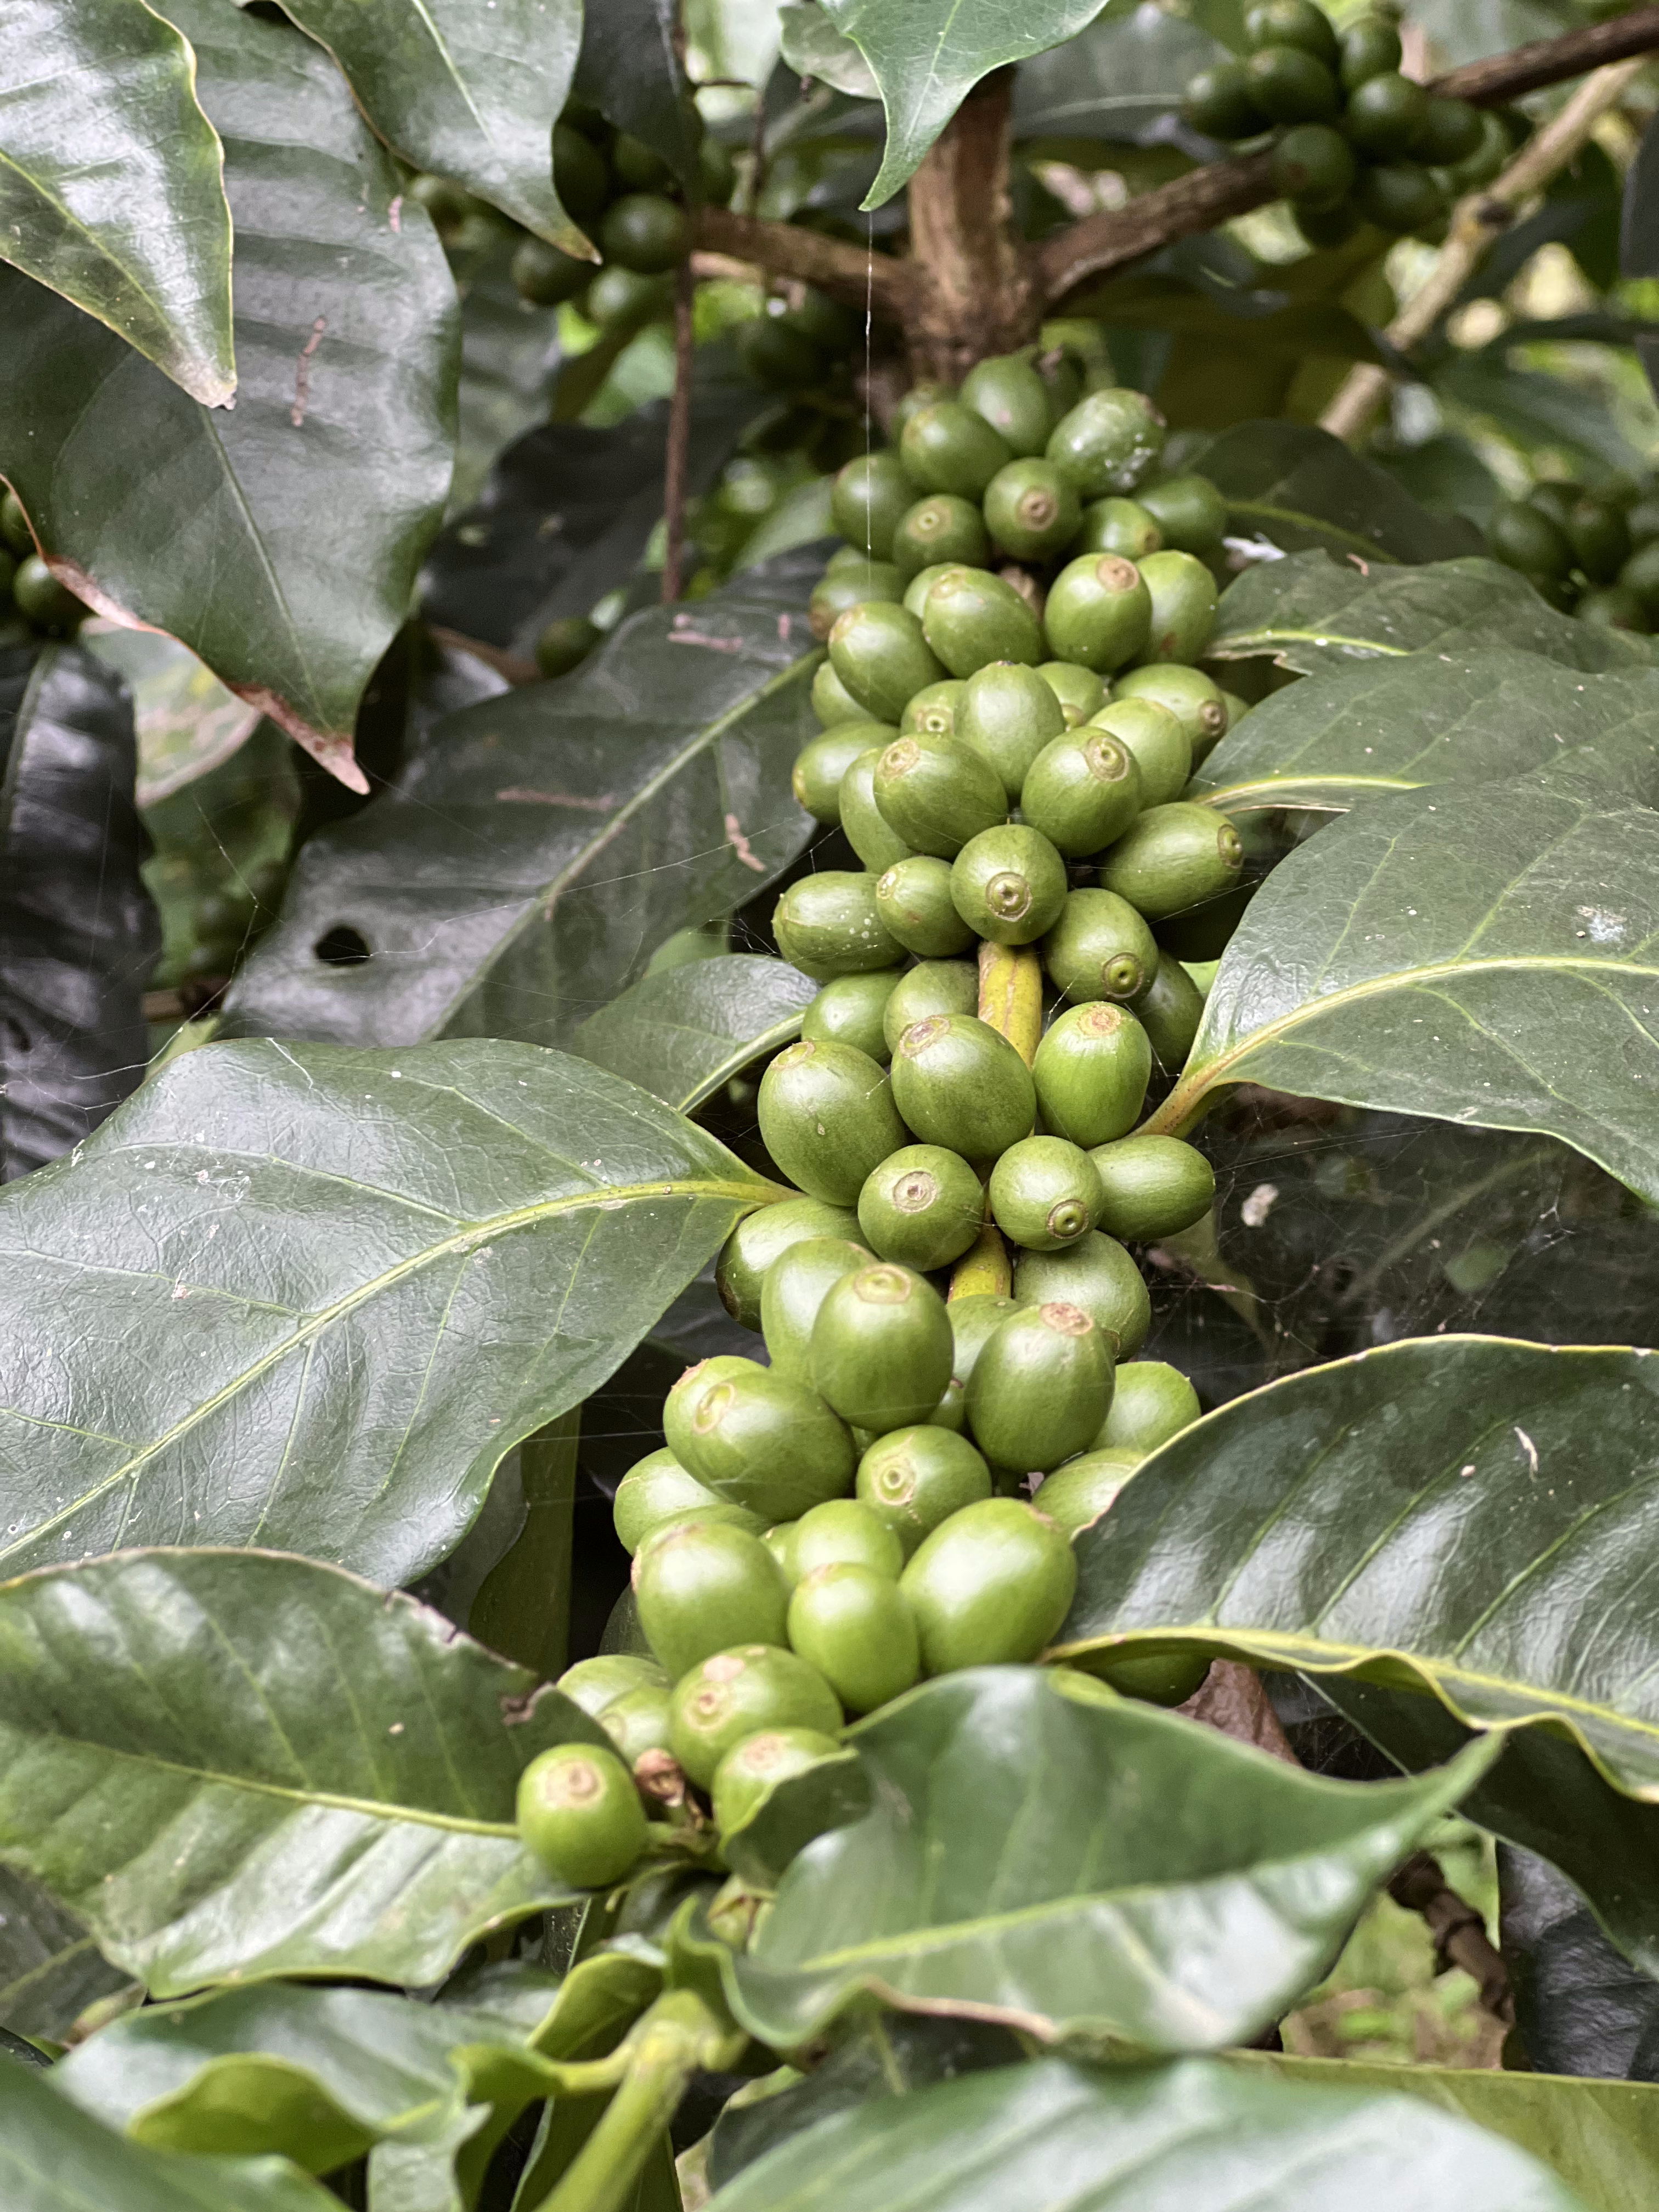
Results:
830 1103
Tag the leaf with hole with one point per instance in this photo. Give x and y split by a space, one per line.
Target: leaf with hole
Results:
310 1297
1043 1853
1300 487
136 233
540 845
682 1034
280 540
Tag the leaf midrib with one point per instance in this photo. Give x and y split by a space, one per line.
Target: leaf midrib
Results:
1361 545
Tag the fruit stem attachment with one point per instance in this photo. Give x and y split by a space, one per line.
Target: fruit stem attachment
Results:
676 2036
1011 1002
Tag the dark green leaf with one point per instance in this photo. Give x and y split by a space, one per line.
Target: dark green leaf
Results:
1580 2008
1040 1853
1310 613
542 845
1346 735
510 356
1544 414
50 1970
1296 1528
1639 230
1299 487
1116 80
78 934
1204 2134
474 96
522 1607
111 189
831 1794
1484 955
280 541
928 56
631 72
333 1768
56 2158
682 1034
309 1297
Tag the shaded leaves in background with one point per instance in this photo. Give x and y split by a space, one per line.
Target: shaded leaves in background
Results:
630 71
50 1969
682 1032
1119 79
1299 487
1580 2008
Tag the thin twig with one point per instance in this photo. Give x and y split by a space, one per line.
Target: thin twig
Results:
679 437
1459 1931
1476 222
785 249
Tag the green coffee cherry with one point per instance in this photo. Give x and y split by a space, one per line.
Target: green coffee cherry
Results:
1107 442
1522 537
869 833
1077 1494
39 596
1044 1193
797 1284
1096 1274
1492 155
973 1321
935 793
1083 792
565 643
941 531
1289 86
1008 884
1170 1010
916 603
1384 115
882 657
827 1116
1600 537
637 165
844 1531
1099 611
1080 692
869 495
1172 857
579 1813
738 1691
1100 948
971 618
593 1684
1152 1187
755 1438
989 1587
1155 740
657 1489
1032 510
952 1411
779 355
948 447
1188 695
856 1627
936 987
1613 607
877 580
1291 23
701 1588
1007 714
851 1010
1091 1071
645 232
1040 1387
638 1722
922 1207
1007 390
1152 1402
1183 598
1400 196
959 1083
915 899
915 1479
1218 103
1188 510
830 925
1450 133
759 1238
1157 1677
543 275
1123 526
882 1348
832 702
933 712
1370 46
755 1764
1314 165
581 176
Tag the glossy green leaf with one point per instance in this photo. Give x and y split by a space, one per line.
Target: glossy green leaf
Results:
240 1765
1484 955
112 188
1045 1854
1310 613
1580 2008
927 57
1297 488
1347 735
814 48
1202 2134
681 1034
540 845
510 356
50 1970
279 541
1117 80
78 933
1600 2138
630 70
54 2158
471 94
187 723
309 1297
831 1794
1294 1527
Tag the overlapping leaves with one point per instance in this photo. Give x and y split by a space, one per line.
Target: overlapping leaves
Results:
1299 487
682 1033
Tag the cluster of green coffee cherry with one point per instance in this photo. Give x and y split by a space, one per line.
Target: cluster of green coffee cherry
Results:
1353 141
1595 554
32 602
895 1494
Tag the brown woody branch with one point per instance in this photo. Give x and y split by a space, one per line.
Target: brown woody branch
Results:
849 273
1459 1931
